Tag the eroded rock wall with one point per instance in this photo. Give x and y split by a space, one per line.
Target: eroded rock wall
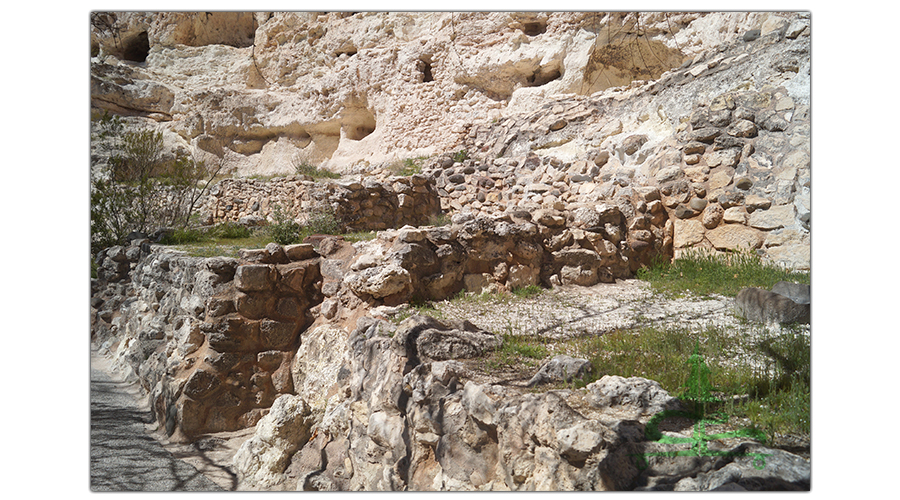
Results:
288 339
398 419
210 339
351 90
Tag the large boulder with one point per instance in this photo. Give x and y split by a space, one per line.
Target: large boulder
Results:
437 341
798 292
260 462
635 395
756 304
379 281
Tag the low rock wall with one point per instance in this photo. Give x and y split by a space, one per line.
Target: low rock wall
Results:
599 243
359 205
210 339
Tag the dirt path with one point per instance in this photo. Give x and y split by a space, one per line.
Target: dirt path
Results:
127 454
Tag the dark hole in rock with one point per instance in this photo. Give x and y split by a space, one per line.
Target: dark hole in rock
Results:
137 48
534 28
425 66
358 124
544 76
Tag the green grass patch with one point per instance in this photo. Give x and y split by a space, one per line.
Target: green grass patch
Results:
527 292
522 346
182 236
461 155
408 166
770 375
315 172
516 352
213 245
229 231
705 273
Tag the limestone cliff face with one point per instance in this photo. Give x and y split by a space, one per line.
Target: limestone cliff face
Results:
553 110
350 90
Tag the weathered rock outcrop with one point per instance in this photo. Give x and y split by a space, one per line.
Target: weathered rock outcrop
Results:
400 420
211 340
221 344
565 148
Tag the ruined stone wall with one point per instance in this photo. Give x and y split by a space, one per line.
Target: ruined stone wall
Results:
211 340
359 205
546 248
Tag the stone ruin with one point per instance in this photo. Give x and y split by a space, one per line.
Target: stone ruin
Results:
558 188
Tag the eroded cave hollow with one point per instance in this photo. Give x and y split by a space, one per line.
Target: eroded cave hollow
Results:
136 48
357 123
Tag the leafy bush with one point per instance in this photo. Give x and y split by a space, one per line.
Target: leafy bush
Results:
283 229
133 188
323 221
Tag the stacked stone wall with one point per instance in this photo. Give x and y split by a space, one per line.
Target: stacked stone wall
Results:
358 204
211 340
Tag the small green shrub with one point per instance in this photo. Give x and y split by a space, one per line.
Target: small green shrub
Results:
526 292
461 155
303 168
407 167
439 220
283 229
323 220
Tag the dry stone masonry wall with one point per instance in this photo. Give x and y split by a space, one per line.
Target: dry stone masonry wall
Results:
365 204
211 340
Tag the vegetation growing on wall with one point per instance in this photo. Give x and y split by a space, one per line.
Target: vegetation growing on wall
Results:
135 186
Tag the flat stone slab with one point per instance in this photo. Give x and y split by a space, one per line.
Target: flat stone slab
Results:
797 292
756 304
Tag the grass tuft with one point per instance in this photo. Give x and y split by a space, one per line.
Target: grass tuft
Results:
770 375
527 292
705 273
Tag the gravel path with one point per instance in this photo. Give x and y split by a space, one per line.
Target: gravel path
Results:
124 457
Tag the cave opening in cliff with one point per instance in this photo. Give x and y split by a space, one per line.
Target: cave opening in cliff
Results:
137 48
425 63
544 75
534 28
358 123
